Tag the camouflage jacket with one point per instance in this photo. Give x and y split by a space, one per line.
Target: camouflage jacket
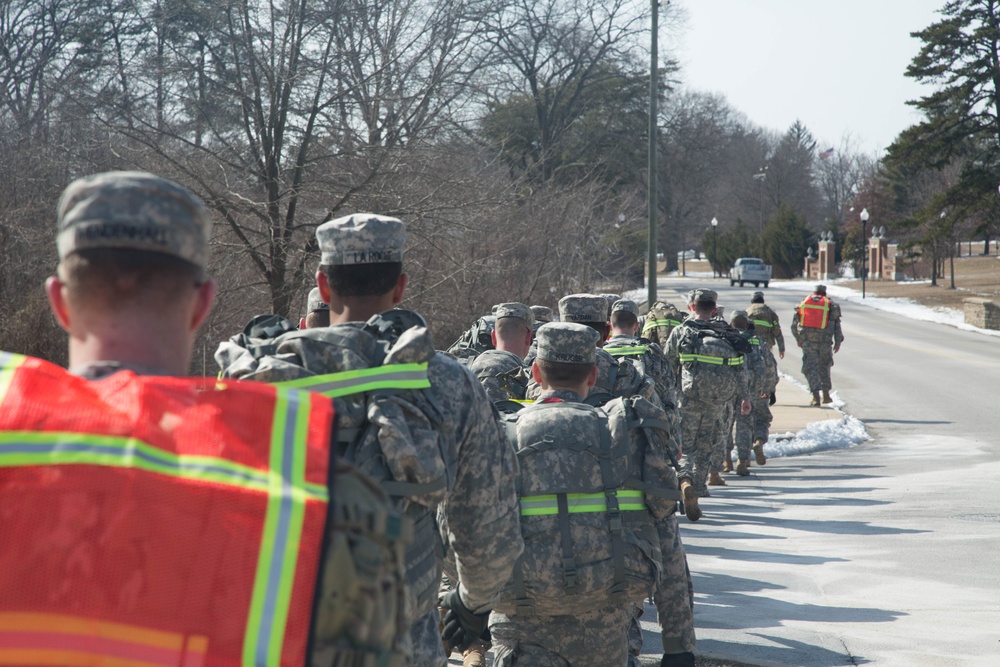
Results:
503 374
765 321
653 363
831 335
728 380
659 322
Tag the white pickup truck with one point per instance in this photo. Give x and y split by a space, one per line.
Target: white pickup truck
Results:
750 270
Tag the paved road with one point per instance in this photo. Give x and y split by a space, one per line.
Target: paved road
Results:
884 554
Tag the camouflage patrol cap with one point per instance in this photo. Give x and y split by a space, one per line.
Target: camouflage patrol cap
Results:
567 342
611 298
703 296
132 210
514 309
627 305
757 297
583 308
820 289
315 301
542 313
361 238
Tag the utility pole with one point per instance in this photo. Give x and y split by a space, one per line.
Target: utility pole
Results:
651 188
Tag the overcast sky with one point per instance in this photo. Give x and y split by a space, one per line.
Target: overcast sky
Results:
837 65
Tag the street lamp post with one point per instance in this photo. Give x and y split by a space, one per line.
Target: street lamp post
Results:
715 245
864 249
760 176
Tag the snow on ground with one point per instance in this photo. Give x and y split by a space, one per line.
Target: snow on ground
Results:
817 436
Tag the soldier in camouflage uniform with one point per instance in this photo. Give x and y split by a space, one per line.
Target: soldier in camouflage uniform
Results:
543 314
502 370
646 355
751 430
816 327
660 321
361 277
317 311
593 637
702 354
765 322
614 378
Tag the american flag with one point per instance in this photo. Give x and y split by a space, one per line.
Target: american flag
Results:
827 153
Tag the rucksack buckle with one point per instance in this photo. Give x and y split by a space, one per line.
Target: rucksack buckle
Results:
569 573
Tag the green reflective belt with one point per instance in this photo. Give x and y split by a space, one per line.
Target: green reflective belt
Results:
522 401
627 350
345 383
578 503
762 323
652 324
715 361
754 340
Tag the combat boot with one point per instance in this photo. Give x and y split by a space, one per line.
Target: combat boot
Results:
727 464
691 508
826 397
815 400
475 655
743 468
758 452
715 479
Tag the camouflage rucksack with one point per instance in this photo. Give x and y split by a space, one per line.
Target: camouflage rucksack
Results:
388 420
589 538
710 360
661 319
359 611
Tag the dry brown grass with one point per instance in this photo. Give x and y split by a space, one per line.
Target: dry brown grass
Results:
974 277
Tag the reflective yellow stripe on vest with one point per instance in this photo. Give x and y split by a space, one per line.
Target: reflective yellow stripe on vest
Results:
345 383
762 323
579 503
627 350
715 361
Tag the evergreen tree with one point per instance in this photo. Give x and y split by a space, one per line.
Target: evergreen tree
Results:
785 242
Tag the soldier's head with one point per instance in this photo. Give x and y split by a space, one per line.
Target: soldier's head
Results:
758 297
513 328
567 357
542 314
361 265
624 317
740 320
820 289
587 309
702 302
133 251
317 311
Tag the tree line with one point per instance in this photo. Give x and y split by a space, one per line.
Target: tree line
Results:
509 134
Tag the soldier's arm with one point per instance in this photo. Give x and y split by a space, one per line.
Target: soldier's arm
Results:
659 455
778 337
838 334
796 329
482 510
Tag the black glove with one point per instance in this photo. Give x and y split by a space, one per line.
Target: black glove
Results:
461 626
685 659
773 399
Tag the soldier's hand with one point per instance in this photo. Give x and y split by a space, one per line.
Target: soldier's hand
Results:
461 625
798 342
836 348
745 407
782 353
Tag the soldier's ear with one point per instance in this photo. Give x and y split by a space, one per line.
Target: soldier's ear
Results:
536 374
493 337
592 379
400 289
54 290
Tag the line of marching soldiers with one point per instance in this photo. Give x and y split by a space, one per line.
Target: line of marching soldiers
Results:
299 508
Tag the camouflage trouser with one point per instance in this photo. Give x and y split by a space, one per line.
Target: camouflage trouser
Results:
761 412
743 434
635 635
595 638
817 359
701 425
428 651
724 445
674 594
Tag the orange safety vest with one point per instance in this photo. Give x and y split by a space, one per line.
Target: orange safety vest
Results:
157 521
814 312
